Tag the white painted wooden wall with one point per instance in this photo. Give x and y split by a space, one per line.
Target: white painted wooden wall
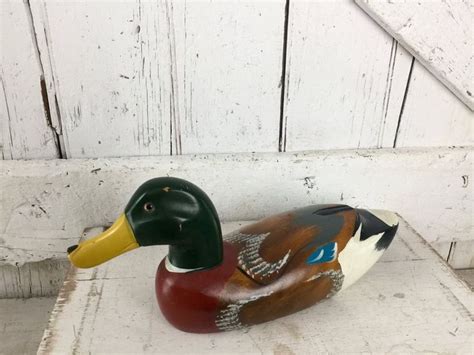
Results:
136 78
106 79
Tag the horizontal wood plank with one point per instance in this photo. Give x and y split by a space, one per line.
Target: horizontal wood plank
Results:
43 278
411 294
45 205
36 279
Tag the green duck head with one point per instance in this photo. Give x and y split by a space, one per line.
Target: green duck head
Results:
162 211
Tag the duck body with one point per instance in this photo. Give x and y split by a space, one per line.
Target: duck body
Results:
271 269
261 272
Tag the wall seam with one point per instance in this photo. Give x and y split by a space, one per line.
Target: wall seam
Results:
57 134
402 109
283 120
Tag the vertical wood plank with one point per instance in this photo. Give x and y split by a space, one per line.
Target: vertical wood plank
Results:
27 131
5 149
432 115
228 74
345 78
159 77
113 93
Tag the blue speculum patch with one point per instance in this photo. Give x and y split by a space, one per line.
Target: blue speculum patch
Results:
324 254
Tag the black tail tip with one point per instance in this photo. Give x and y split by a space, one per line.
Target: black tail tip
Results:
387 238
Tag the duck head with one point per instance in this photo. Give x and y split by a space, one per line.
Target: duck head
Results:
162 211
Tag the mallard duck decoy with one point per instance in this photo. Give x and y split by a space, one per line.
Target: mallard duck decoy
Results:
266 270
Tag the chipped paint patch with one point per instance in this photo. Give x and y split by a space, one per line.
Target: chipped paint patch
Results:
69 286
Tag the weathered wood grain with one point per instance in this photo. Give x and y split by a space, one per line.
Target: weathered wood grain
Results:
27 129
104 64
160 78
157 78
432 116
36 277
46 204
228 66
437 33
345 79
113 308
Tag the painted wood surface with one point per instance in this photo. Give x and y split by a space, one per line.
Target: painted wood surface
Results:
47 204
431 115
462 254
36 279
42 278
437 33
22 323
442 249
27 129
345 79
467 275
113 308
215 88
160 78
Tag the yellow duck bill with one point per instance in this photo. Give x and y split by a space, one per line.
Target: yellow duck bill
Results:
116 240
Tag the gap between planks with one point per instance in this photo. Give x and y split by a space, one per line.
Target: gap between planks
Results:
47 103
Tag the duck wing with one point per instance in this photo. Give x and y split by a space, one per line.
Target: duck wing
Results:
266 248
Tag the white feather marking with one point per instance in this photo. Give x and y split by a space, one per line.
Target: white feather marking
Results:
320 255
337 278
249 258
358 256
171 268
228 318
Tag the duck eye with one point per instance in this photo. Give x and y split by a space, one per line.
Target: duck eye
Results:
149 207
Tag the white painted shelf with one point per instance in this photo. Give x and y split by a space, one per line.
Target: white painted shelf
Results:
410 301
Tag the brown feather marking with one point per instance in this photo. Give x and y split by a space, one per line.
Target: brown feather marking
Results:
294 290
282 238
287 301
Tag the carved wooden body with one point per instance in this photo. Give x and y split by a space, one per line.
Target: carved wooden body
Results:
265 274
264 271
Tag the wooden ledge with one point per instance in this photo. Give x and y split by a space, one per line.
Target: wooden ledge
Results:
409 301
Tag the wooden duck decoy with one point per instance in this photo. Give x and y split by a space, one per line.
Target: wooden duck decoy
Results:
266 270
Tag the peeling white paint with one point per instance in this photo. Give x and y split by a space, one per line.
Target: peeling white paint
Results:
437 33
